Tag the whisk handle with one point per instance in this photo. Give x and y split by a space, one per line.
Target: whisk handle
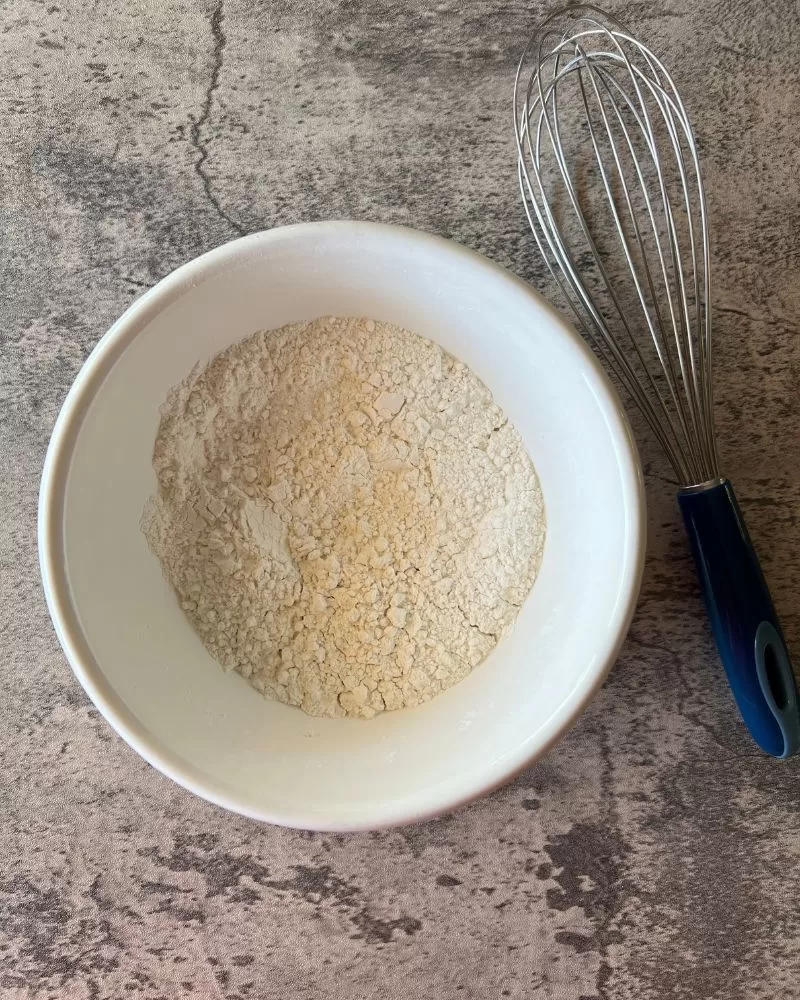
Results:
746 628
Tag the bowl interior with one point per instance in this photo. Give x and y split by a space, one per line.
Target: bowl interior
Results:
138 657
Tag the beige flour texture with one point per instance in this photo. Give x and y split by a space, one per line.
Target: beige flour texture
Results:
347 517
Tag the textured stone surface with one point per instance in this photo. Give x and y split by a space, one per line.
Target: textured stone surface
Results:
654 853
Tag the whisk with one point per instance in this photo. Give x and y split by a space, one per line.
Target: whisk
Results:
610 178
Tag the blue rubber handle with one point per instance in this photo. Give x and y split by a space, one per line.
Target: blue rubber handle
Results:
746 628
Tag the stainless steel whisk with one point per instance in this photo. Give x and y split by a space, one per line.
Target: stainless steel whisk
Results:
610 178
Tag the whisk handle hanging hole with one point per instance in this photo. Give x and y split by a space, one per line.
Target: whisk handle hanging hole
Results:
746 628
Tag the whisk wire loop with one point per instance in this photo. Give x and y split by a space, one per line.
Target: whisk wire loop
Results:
645 301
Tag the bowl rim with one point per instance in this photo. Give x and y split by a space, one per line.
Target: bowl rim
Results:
52 561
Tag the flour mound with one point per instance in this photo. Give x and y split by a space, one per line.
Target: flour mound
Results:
346 516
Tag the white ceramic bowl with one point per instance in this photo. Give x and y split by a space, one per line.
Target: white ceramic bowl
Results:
136 655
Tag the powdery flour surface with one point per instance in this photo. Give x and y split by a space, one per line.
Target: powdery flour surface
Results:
347 517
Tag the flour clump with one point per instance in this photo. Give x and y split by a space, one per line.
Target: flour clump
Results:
346 516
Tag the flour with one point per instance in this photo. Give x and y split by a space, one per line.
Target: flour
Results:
346 516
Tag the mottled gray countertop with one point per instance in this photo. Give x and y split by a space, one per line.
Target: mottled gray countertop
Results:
655 852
